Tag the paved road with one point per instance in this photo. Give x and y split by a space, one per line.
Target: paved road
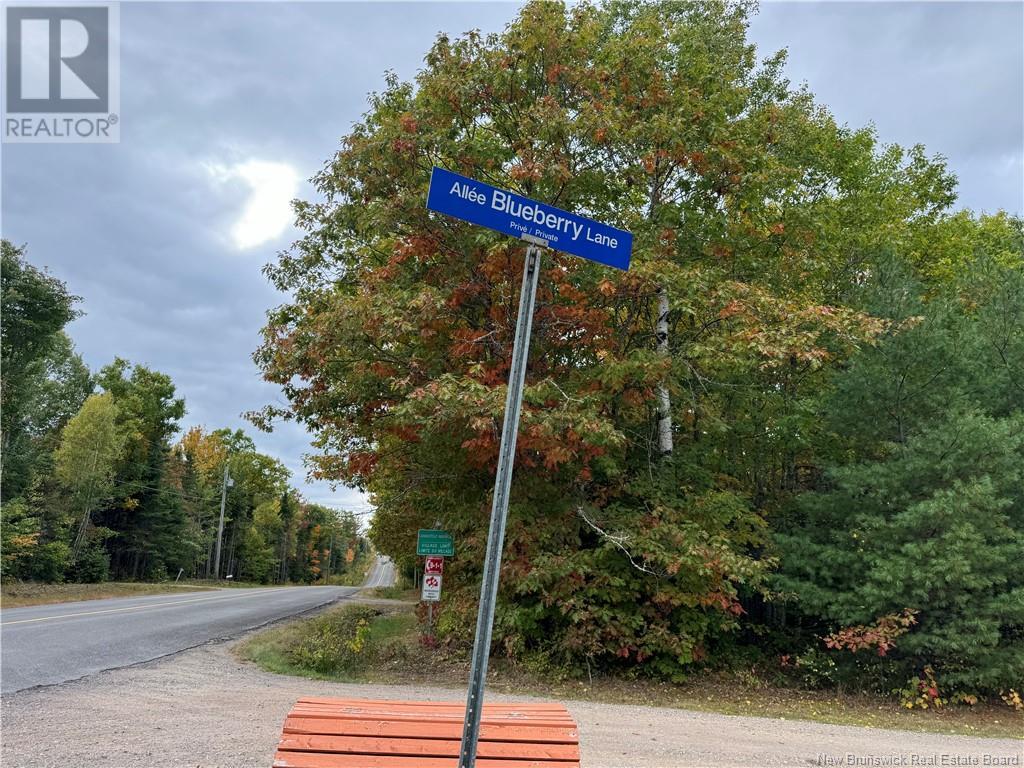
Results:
47 644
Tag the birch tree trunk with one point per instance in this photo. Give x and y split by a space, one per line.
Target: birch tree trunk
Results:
661 337
664 401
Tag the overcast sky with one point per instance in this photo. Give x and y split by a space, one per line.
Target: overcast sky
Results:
228 109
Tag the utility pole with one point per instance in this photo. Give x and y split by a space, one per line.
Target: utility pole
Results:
220 525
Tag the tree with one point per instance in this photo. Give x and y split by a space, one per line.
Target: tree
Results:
57 385
258 479
287 513
146 511
751 212
258 560
63 384
92 484
937 528
86 460
922 506
203 455
36 306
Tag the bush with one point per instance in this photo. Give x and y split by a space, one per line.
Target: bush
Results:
27 555
49 562
921 692
817 669
91 566
336 642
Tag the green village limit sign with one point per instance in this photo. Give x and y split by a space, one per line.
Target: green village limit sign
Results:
435 543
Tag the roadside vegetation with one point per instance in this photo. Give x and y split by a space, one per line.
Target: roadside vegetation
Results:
791 434
98 485
789 439
384 644
402 589
406 594
354 574
17 594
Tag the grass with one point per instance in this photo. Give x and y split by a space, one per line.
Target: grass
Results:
396 592
276 649
400 590
727 695
229 584
17 594
391 653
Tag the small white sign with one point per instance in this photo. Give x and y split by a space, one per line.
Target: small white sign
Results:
431 588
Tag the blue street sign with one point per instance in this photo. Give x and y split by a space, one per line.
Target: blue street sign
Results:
515 215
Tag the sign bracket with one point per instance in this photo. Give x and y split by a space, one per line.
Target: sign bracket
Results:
538 241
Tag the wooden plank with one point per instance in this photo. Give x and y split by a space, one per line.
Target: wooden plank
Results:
368 745
331 711
440 706
321 760
434 717
411 708
336 705
322 732
452 729
401 703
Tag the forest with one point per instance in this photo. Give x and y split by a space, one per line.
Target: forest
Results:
98 483
791 434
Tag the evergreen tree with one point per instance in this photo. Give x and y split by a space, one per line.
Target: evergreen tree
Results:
923 507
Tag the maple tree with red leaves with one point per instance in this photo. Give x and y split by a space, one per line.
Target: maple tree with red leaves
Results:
394 347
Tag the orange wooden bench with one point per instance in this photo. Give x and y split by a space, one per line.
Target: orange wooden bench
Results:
368 733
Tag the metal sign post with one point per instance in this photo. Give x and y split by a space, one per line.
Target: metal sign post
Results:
499 509
543 226
433 568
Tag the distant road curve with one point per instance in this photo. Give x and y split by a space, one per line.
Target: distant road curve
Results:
49 644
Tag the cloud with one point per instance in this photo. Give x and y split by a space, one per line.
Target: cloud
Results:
146 234
267 210
946 75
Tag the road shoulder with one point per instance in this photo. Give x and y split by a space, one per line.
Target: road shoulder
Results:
205 707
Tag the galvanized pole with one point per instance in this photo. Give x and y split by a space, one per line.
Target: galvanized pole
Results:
499 509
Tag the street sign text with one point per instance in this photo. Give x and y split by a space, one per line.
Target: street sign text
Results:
431 592
503 211
430 542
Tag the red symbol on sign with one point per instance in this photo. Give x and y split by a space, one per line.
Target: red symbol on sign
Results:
434 565
433 581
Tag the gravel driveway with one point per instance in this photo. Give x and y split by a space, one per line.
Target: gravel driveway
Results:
203 707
